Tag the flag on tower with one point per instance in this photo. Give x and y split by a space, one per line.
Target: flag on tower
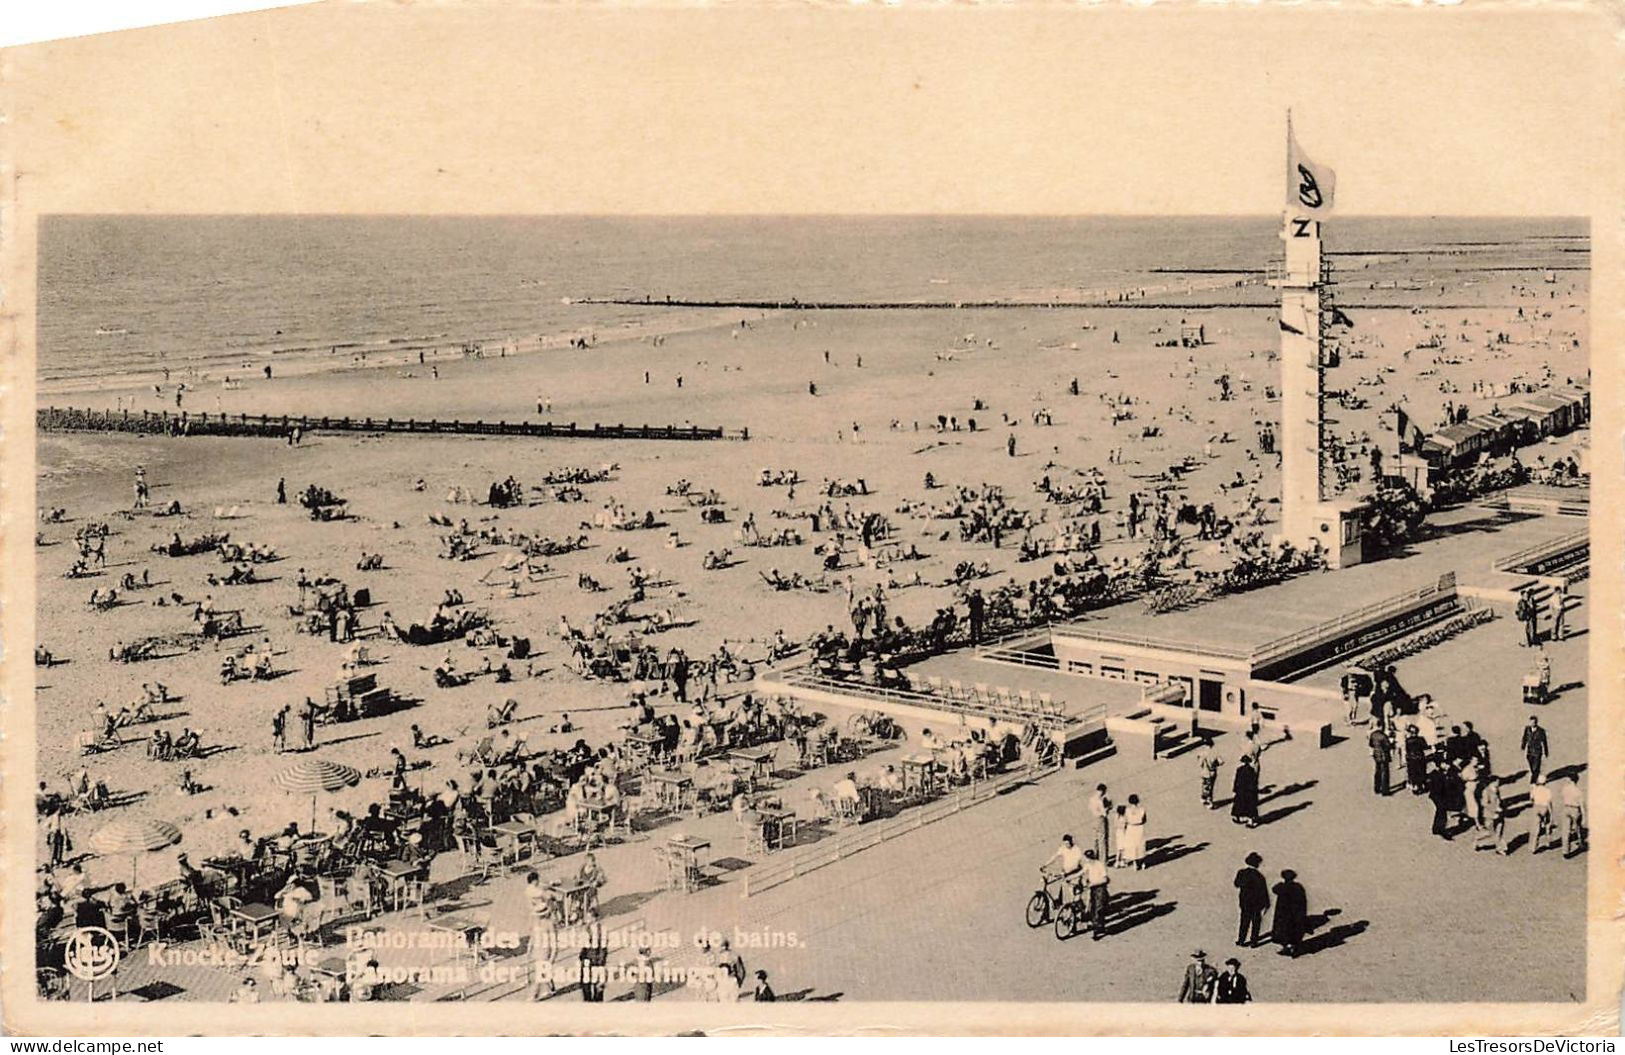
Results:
1309 185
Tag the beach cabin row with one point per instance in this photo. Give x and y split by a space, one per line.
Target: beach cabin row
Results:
1525 420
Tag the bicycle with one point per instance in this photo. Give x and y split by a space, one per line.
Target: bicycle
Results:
1043 907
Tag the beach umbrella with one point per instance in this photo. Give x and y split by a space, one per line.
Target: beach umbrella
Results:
314 776
135 837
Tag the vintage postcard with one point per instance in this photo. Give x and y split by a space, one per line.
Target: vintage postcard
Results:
930 519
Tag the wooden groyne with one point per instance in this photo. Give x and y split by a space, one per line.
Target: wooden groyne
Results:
163 423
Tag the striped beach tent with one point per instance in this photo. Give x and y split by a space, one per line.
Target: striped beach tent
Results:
134 837
315 776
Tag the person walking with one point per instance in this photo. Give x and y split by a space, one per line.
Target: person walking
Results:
1254 750
1536 747
1097 882
1492 817
1100 817
1291 919
1207 764
1197 985
1244 791
1572 799
593 957
1252 901
1416 761
544 936
1119 858
1475 773
1382 754
281 491
1540 804
1131 853
279 730
57 841
1231 986
1560 602
307 724
1528 615
1439 795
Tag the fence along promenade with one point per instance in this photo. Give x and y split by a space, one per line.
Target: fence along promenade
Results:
69 419
798 861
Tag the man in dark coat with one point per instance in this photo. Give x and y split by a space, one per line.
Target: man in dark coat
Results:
1382 755
1231 988
1439 795
1536 747
1244 788
1197 986
1528 615
1252 900
1291 913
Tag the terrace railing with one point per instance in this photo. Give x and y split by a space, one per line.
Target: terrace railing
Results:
1284 646
1116 637
1052 715
802 860
1575 541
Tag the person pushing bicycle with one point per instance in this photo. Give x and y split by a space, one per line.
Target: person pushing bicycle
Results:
1065 863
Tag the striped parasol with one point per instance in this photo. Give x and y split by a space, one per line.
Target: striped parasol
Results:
134 837
313 776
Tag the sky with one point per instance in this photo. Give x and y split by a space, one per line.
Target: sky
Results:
1060 109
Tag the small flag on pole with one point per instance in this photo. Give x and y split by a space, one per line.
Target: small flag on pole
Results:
1309 186
1340 319
1289 328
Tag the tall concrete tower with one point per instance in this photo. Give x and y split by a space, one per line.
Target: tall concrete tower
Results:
1309 517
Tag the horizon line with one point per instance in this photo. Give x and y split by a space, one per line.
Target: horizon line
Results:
810 215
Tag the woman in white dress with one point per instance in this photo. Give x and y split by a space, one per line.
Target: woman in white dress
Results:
1133 845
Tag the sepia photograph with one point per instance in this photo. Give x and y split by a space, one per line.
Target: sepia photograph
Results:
541 507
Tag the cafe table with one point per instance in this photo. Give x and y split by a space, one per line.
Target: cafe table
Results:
238 868
757 762
687 857
671 788
398 874
259 918
778 828
512 838
919 774
465 932
573 894
593 818
330 974
645 747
